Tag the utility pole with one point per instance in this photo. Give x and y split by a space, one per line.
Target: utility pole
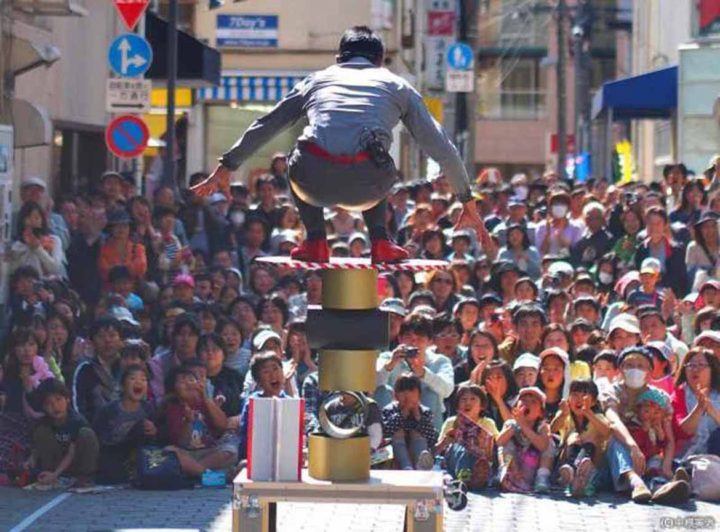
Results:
169 177
6 76
561 92
581 34
466 102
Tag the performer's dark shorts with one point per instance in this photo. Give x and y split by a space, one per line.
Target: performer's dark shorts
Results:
322 183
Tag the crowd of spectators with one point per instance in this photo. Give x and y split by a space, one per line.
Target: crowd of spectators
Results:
575 344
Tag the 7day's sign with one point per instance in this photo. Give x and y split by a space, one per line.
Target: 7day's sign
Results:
247 31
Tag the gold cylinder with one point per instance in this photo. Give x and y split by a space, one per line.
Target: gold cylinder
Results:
347 370
350 289
339 460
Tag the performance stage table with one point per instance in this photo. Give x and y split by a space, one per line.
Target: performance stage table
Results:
254 503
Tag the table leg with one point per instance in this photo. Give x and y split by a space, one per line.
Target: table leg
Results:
420 517
261 518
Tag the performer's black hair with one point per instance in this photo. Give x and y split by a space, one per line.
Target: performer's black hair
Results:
360 41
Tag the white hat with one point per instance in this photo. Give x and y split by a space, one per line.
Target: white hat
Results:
263 337
527 360
626 322
713 336
33 181
650 265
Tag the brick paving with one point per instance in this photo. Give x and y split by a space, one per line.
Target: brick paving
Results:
208 509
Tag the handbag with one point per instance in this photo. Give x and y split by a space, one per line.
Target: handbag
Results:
705 473
158 469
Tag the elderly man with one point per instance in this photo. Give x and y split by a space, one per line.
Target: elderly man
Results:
342 157
596 241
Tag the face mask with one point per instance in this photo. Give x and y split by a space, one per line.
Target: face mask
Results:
559 210
238 218
634 378
605 277
521 192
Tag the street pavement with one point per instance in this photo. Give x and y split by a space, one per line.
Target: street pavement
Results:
209 509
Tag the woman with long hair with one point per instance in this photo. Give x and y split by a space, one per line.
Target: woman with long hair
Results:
34 245
518 250
692 199
696 404
703 252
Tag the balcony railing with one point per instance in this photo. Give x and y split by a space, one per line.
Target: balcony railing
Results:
512 105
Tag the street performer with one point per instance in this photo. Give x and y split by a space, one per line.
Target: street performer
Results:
341 158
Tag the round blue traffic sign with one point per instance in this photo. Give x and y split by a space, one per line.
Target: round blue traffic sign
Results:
130 55
460 57
127 136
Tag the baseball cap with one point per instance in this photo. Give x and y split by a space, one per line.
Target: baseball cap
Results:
625 322
424 310
635 350
533 390
515 201
650 265
465 301
264 337
561 268
710 283
33 181
123 315
526 360
393 305
184 279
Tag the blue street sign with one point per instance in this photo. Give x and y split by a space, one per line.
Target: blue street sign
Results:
130 55
460 57
127 136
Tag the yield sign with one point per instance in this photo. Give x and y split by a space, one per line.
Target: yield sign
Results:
131 11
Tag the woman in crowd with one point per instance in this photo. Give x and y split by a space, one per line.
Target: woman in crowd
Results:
519 251
35 246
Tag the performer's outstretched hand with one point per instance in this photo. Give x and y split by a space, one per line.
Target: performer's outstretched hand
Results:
470 218
218 180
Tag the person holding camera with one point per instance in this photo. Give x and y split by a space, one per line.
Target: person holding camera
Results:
35 246
434 370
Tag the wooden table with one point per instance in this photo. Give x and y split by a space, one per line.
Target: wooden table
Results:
254 503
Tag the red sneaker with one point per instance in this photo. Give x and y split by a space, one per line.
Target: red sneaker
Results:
384 250
311 251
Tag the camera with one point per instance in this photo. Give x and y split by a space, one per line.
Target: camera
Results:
411 352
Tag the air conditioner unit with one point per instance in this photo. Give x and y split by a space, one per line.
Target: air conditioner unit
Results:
52 8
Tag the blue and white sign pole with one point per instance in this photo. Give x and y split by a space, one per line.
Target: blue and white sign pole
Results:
130 55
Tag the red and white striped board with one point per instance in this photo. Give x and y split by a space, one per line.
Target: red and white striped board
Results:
412 265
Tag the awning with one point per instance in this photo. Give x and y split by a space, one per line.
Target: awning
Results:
650 95
252 86
198 64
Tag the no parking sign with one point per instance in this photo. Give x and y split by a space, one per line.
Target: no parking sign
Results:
127 136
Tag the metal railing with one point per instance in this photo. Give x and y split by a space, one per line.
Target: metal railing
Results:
512 105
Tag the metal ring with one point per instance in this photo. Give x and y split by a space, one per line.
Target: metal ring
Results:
333 430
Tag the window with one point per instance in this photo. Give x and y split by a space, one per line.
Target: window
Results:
516 92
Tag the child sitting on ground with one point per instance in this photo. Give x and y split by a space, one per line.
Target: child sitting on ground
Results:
522 441
123 426
584 432
63 443
652 433
468 440
409 425
196 426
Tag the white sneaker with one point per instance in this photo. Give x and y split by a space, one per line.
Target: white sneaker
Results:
425 461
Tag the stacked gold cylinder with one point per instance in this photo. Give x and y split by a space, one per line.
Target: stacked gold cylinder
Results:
346 370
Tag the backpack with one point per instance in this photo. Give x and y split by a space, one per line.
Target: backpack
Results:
705 474
158 469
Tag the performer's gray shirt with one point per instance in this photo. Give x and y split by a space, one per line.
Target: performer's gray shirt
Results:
343 104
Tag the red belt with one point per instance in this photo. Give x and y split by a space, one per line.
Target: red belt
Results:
316 150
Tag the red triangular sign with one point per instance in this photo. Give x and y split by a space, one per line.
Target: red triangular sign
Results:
131 11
